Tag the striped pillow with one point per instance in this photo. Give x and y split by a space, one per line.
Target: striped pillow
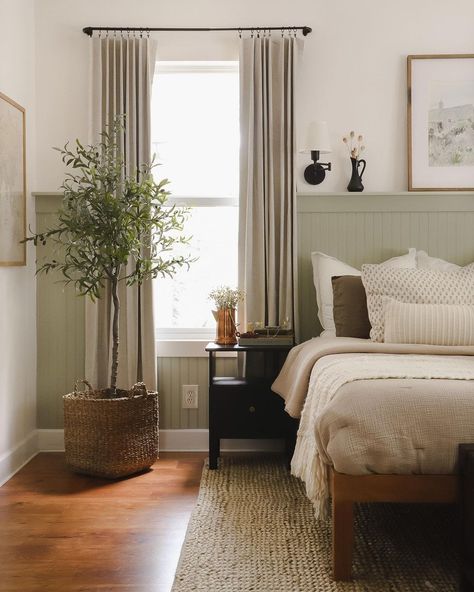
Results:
431 324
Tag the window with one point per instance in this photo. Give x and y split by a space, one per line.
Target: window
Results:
195 136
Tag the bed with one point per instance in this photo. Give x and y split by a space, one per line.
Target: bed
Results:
357 229
379 422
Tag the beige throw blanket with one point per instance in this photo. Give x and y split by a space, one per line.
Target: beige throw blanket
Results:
332 372
293 380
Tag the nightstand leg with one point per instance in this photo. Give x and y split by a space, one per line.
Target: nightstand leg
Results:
214 451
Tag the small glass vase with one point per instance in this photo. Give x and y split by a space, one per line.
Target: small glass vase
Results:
225 328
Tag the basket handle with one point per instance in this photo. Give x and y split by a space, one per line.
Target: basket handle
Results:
83 381
138 389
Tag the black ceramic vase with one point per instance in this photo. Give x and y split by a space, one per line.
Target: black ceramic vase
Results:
355 184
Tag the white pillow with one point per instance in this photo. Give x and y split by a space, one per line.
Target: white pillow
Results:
424 261
419 286
432 324
325 267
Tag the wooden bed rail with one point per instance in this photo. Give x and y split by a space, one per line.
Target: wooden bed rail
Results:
349 489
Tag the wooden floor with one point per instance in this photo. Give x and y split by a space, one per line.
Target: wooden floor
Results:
65 532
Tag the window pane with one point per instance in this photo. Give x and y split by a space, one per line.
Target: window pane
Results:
195 128
182 301
195 135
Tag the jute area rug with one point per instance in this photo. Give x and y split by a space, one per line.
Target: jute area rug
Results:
253 530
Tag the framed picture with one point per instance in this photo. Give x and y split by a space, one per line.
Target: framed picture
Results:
441 122
12 183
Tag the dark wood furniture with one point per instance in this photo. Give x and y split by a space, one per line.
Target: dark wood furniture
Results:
466 486
247 407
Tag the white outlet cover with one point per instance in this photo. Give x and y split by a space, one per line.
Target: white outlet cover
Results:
190 396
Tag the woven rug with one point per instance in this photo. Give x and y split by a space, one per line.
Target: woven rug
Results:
253 530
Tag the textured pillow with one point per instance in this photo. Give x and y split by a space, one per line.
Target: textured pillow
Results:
419 286
432 324
424 261
325 267
351 317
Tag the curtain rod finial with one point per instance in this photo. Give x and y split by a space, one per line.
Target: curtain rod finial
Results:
88 31
307 31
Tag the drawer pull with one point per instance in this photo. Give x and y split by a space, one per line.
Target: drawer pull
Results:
251 409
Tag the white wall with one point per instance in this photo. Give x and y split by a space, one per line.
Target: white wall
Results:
17 284
354 69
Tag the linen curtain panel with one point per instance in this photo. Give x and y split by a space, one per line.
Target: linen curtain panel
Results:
122 81
267 214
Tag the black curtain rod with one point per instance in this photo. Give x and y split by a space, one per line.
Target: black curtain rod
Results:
90 30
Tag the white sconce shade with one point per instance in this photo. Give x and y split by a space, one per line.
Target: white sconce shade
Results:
317 138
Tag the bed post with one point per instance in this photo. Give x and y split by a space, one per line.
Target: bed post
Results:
342 530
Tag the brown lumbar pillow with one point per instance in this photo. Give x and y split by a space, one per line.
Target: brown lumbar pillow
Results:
350 307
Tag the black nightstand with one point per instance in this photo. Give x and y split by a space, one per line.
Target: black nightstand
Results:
247 407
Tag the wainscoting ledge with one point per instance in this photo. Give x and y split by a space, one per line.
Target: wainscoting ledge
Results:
173 441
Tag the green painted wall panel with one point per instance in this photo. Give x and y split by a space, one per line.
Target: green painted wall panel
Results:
355 228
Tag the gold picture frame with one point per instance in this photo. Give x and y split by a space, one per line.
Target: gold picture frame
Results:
12 183
440 156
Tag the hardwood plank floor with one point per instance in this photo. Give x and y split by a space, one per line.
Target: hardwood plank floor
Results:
69 533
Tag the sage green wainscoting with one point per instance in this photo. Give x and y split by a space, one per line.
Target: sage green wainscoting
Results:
356 228
60 335
60 329
372 227
172 373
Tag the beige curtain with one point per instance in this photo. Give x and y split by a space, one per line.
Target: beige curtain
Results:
122 79
267 215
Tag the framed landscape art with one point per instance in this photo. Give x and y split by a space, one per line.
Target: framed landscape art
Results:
12 183
441 122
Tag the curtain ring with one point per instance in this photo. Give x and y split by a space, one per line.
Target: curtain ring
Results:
251 33
282 32
148 33
295 32
240 33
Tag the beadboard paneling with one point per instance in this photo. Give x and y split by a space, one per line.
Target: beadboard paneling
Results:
174 372
356 228
369 228
60 334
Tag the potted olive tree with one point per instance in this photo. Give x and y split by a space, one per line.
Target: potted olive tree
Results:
111 228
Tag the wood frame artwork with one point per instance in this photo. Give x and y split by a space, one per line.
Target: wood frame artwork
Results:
12 183
349 489
440 119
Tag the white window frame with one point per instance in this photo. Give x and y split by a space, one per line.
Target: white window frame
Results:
190 342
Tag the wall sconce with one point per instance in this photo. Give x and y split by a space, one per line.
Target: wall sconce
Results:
317 143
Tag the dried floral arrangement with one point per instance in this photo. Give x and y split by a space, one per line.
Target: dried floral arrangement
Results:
226 297
355 147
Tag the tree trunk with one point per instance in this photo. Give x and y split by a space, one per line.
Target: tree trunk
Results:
115 335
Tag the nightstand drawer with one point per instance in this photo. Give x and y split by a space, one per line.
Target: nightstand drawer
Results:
246 411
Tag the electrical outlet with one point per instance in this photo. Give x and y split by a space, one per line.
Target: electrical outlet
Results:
190 396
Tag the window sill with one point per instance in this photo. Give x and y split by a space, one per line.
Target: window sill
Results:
185 348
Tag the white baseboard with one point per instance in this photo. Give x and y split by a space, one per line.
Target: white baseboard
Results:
173 441
12 461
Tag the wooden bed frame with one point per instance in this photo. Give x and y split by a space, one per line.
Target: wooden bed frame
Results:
349 489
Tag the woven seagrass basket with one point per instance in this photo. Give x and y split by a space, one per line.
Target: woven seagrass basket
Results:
111 437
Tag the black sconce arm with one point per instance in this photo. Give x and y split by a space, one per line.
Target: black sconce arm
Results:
315 173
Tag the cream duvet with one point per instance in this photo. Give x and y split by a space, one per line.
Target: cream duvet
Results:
376 408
